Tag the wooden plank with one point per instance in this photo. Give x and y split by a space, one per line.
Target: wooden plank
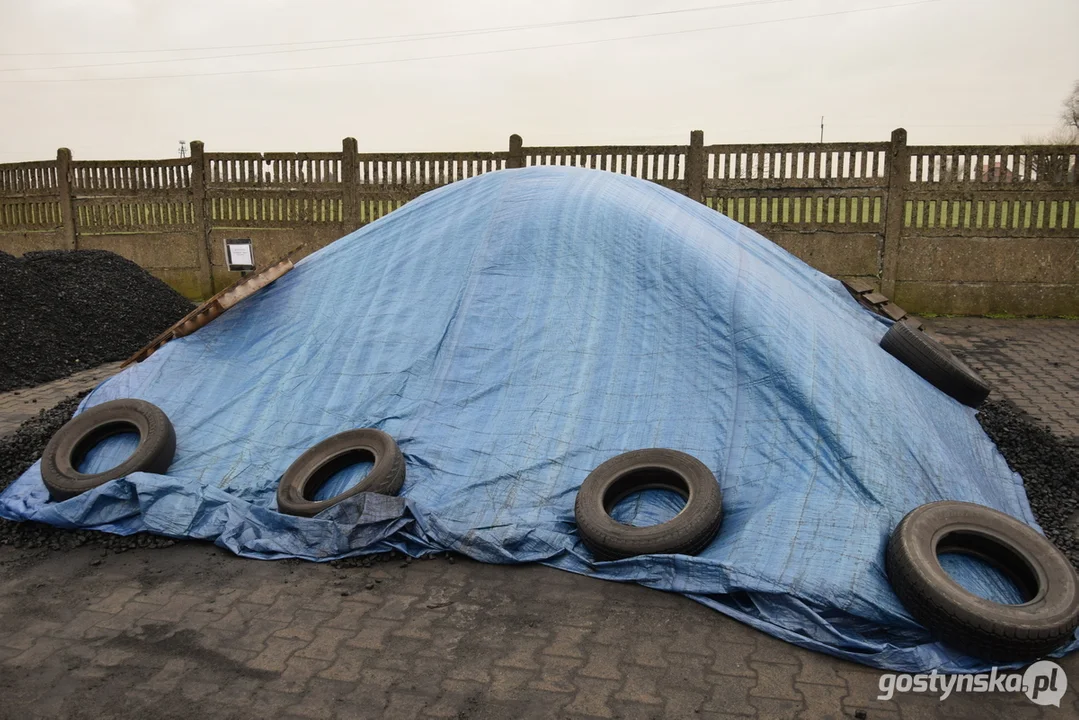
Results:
212 308
893 311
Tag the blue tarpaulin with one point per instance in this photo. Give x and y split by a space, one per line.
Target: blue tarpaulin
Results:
515 330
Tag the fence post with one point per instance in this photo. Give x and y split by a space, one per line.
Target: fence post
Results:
695 166
516 158
203 219
67 202
896 204
350 183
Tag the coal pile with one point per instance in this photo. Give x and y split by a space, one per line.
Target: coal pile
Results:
65 311
1049 468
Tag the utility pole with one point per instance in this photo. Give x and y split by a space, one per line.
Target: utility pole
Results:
822 128
183 149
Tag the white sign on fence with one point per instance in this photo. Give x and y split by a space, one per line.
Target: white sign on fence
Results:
239 255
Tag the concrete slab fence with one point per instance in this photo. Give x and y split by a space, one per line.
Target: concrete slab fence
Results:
943 229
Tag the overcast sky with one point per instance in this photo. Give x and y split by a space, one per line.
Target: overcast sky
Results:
950 71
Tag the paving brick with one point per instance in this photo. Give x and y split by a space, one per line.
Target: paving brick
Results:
505 683
452 705
348 666
268 704
647 652
399 654
443 643
394 607
283 609
603 662
115 601
404 707
82 622
474 669
592 698
276 654
692 642
196 690
372 634
864 686
304 625
323 699
168 677
350 616
41 649
819 669
522 654
770 650
24 639
297 673
774 680
161 594
416 626
822 702
556 674
733 659
130 617
111 657
256 633
777 709
325 643
640 687
174 609
567 642
265 594
730 694
682 703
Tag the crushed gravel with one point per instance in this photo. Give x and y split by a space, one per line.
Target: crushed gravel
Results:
1049 468
20 450
65 311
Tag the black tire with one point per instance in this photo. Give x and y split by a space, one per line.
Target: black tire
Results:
305 476
961 619
687 533
68 447
935 363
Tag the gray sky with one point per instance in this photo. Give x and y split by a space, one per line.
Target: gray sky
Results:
950 71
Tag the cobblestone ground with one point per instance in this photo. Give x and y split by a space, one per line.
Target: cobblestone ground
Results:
18 406
1034 363
192 631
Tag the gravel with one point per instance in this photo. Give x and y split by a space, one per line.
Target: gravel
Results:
1049 468
65 311
20 450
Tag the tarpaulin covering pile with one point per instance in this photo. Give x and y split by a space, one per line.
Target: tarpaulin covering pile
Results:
515 330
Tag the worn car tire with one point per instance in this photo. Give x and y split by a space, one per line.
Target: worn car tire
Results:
935 363
308 473
68 447
687 533
963 620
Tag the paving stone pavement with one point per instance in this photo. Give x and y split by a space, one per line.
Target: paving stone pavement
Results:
193 631
1033 363
18 406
